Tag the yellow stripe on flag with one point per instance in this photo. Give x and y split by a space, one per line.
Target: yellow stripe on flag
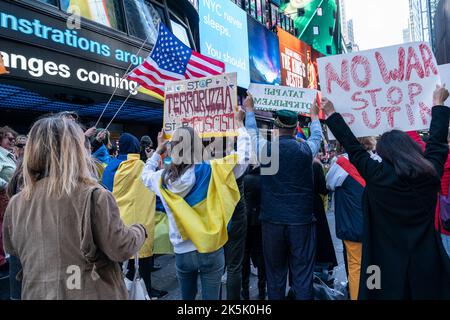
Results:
150 93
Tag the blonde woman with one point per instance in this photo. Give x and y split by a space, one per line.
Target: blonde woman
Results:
66 229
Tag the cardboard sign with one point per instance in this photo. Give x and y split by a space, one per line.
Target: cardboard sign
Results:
209 105
274 98
382 89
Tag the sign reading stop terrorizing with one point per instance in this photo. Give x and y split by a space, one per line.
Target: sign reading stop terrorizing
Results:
209 105
382 89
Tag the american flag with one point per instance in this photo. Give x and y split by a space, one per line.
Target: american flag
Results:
172 60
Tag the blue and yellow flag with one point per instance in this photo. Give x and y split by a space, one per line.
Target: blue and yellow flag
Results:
122 176
203 215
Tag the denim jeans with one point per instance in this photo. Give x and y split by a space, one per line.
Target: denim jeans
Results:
15 286
210 267
293 248
446 243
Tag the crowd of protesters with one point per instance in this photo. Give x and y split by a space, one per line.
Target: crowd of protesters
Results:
71 197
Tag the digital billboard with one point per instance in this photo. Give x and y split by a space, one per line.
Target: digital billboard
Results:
298 62
316 22
264 54
224 36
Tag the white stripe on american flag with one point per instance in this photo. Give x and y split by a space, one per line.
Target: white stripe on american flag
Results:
212 61
145 81
152 65
206 63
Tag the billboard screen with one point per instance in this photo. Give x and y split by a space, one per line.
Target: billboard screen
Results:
298 62
316 22
224 36
264 54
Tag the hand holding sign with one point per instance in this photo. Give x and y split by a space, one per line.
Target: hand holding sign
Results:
327 106
249 104
440 95
315 111
162 143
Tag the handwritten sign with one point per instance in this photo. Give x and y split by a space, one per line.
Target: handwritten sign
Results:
209 105
382 89
274 98
444 71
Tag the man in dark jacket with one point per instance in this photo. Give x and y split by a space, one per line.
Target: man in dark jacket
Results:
288 223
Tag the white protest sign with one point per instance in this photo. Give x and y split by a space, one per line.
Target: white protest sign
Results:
274 98
382 89
209 105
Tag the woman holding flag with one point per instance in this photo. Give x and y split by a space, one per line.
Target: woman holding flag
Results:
199 198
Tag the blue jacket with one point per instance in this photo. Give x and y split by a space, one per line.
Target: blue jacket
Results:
287 196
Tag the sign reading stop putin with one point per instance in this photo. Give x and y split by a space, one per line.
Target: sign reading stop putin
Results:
382 89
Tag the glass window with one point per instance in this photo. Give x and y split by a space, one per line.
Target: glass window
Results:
180 32
52 2
259 13
274 14
316 30
143 19
105 12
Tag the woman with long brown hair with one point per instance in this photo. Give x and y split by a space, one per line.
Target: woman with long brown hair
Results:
63 226
199 198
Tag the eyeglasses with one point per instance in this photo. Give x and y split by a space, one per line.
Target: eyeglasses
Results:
11 139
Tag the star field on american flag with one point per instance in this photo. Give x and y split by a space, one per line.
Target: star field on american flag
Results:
172 60
170 53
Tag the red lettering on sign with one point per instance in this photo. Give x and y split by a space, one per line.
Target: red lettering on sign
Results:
410 113
428 61
399 93
349 118
424 112
377 119
410 65
390 112
414 89
332 76
355 98
357 61
395 74
373 96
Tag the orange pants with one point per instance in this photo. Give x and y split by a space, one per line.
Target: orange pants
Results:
354 253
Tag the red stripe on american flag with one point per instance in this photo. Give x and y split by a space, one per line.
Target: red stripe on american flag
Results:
146 86
203 68
159 71
148 76
215 62
193 74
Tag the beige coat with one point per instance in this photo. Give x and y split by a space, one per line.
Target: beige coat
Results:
58 239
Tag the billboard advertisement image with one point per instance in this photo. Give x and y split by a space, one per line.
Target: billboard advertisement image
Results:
223 36
264 54
316 22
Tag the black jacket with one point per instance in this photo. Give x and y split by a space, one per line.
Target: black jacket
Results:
399 236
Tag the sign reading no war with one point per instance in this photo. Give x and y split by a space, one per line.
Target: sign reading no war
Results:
224 36
382 89
274 98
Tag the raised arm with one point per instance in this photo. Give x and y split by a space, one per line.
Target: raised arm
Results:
315 140
437 147
151 173
358 156
243 148
258 143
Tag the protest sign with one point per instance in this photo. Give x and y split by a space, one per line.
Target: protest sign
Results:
209 105
382 89
274 98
